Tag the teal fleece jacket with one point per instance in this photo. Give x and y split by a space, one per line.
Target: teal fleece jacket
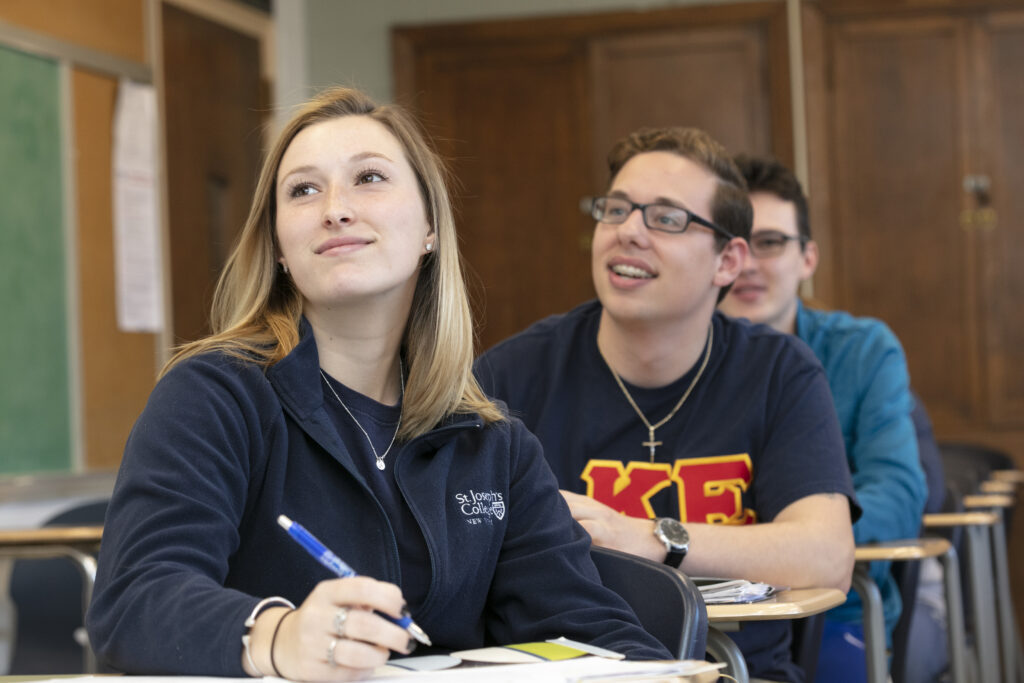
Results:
867 372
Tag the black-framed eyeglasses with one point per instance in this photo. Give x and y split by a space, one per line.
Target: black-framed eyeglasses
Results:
770 243
661 217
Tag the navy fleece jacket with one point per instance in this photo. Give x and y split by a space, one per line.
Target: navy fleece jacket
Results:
223 447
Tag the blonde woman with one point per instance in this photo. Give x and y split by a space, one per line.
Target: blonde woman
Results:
336 389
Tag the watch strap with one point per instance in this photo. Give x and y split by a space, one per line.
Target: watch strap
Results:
674 559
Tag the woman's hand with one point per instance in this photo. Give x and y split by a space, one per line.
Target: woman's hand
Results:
334 635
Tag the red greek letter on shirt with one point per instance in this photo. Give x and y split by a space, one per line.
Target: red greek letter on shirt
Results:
711 489
626 489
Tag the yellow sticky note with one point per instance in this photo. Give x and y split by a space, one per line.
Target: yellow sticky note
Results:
552 652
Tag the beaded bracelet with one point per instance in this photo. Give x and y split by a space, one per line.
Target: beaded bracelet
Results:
273 641
250 621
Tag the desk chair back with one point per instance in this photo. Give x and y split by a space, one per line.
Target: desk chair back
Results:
931 458
967 465
806 643
954 502
47 594
907 575
970 464
920 649
667 603
984 457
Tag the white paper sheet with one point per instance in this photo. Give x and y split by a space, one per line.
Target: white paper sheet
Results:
733 591
137 247
581 670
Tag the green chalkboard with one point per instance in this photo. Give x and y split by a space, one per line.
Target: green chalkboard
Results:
35 432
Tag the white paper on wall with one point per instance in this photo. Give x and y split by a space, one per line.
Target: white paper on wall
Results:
137 245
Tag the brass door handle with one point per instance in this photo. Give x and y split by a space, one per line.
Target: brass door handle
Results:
982 216
985 218
967 219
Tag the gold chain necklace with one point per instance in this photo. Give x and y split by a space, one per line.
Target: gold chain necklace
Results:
651 443
401 388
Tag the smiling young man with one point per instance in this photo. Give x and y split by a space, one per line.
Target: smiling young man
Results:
867 373
677 433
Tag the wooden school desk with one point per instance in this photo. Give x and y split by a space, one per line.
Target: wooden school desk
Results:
75 543
1001 505
874 622
977 532
786 604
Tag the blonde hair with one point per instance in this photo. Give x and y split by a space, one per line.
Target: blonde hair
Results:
256 308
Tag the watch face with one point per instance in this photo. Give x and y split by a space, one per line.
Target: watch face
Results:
674 532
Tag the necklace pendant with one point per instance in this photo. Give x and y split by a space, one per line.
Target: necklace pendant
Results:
401 388
652 444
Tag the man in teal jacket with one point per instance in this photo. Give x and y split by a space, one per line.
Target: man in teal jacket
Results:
867 373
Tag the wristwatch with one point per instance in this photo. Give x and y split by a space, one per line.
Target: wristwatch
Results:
675 537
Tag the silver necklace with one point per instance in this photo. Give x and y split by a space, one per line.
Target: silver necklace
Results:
401 388
651 443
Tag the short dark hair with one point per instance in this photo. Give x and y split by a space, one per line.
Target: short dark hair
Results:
730 207
764 174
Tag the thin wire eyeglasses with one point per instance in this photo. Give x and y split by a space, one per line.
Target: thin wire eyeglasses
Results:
771 243
660 217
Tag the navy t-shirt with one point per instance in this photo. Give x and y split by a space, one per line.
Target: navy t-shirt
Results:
381 422
757 433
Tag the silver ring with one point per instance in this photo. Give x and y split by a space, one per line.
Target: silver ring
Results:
340 617
330 653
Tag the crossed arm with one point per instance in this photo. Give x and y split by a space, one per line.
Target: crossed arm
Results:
808 544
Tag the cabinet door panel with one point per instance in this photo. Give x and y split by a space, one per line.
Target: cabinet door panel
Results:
713 79
214 104
899 142
1001 55
511 122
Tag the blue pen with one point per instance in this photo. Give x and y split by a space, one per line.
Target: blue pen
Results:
328 559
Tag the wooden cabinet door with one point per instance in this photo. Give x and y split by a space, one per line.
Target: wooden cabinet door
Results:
214 112
927 207
510 121
999 56
900 146
716 79
927 199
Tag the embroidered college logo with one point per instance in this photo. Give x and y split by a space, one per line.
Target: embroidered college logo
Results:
709 489
481 506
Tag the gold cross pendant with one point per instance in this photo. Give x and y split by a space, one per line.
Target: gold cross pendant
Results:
651 443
